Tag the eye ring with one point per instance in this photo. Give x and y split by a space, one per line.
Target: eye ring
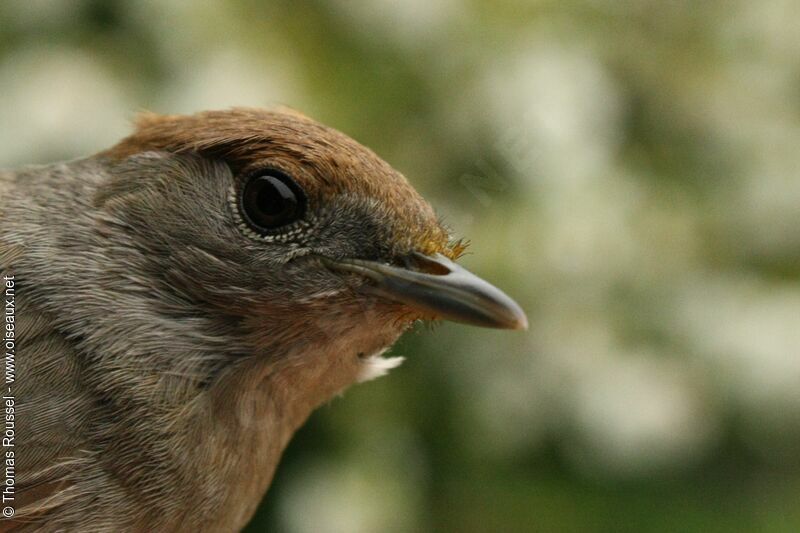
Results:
270 200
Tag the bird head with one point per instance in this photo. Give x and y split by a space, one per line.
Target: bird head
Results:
304 239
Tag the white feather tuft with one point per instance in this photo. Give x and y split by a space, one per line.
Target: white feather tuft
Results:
376 366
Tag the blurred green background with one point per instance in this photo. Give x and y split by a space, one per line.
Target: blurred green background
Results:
629 170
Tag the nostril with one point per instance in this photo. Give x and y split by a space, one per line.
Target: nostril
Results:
427 265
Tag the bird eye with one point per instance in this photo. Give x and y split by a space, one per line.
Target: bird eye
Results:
270 200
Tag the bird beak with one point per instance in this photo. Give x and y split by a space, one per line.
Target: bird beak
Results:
438 286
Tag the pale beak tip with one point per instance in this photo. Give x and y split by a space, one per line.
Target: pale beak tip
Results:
516 318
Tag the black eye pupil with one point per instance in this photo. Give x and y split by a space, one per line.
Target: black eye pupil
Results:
271 200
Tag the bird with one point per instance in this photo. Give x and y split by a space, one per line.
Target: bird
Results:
188 296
